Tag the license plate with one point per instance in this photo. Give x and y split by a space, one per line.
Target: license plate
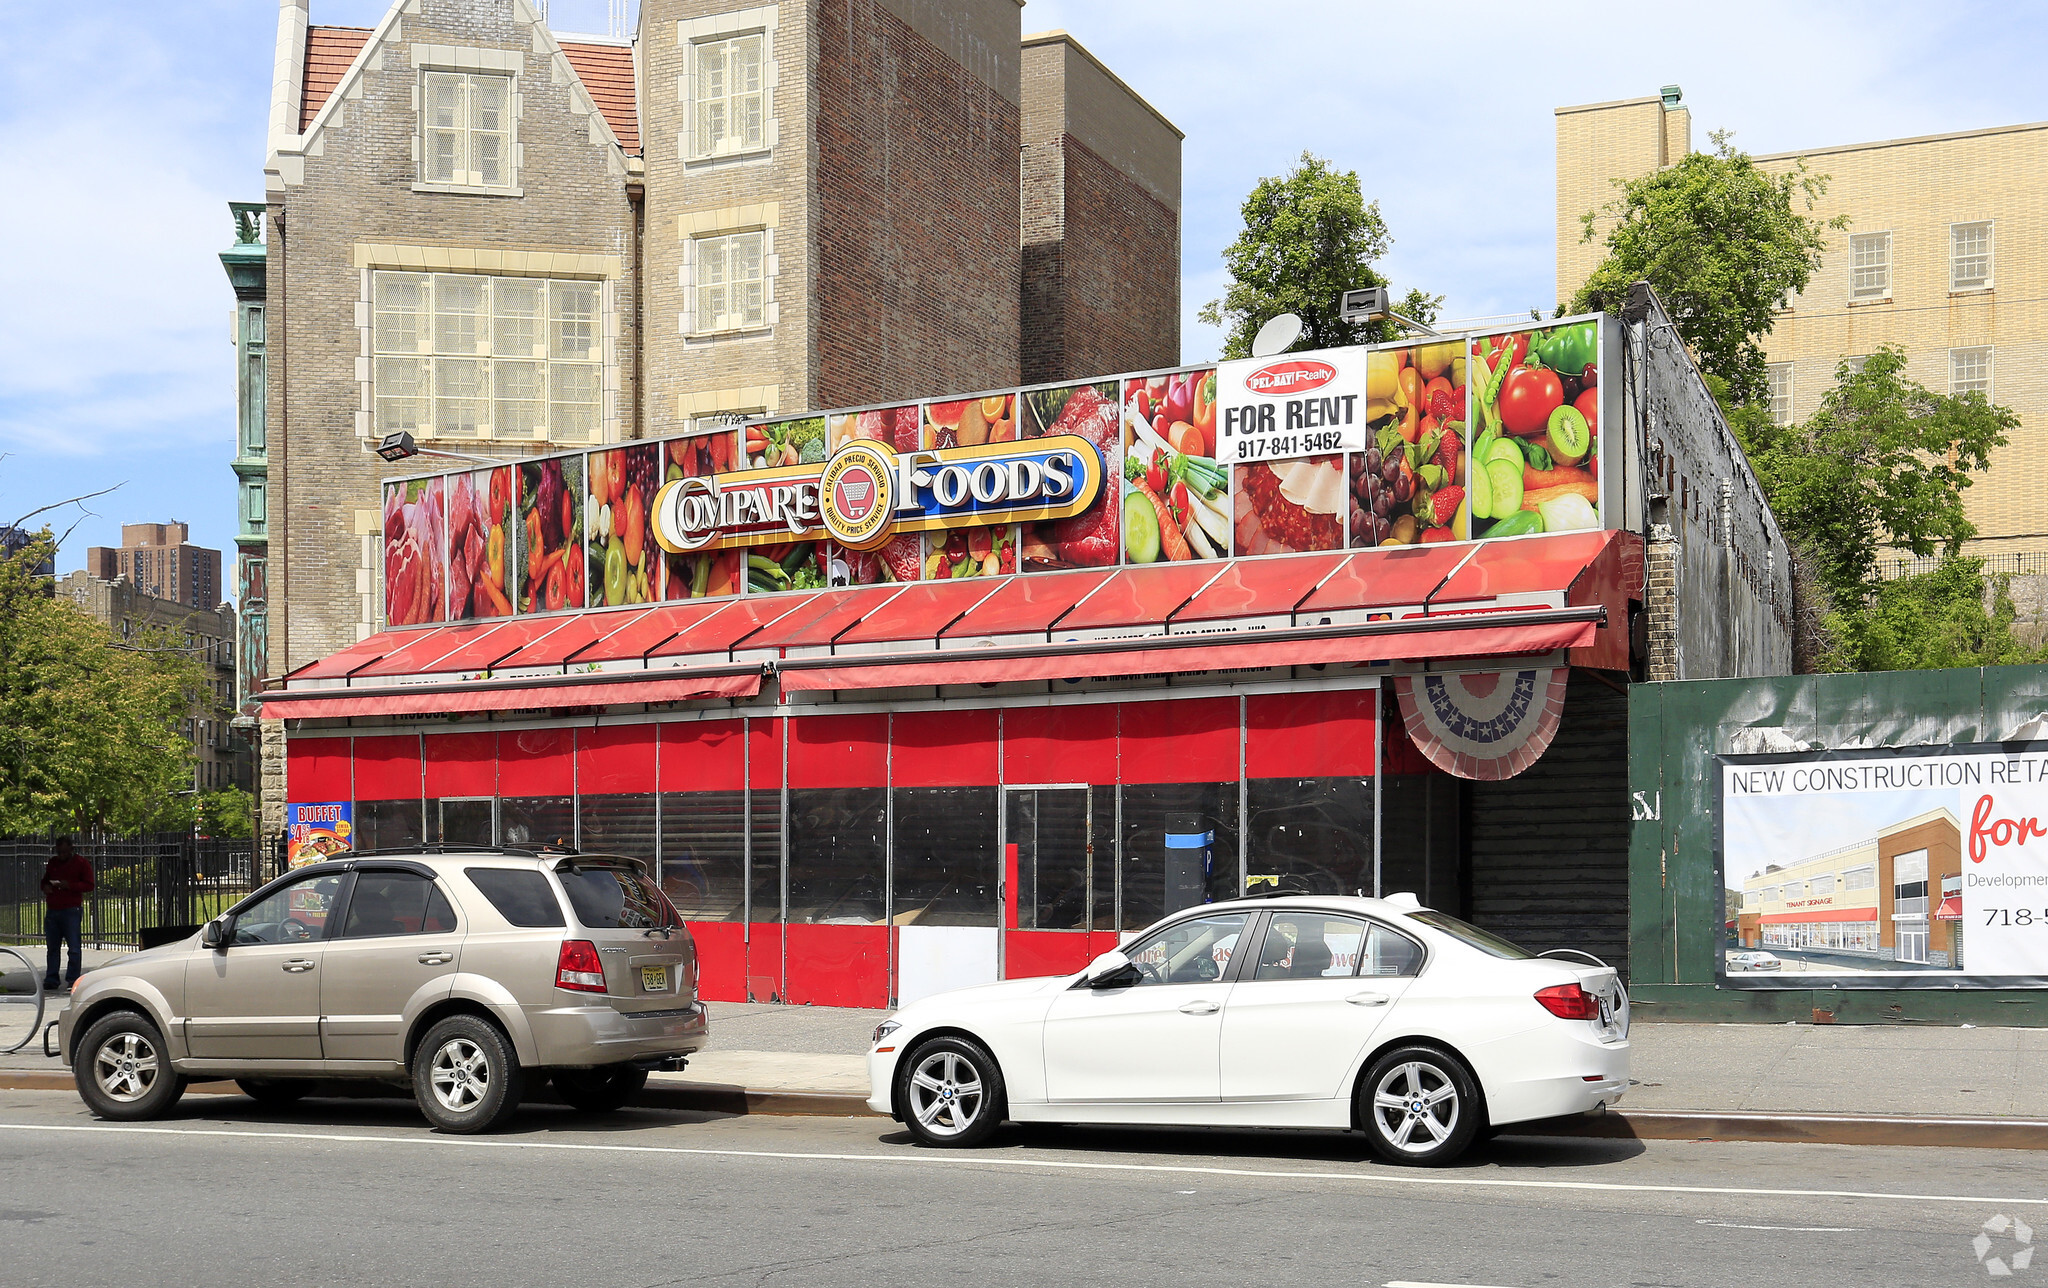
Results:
654 979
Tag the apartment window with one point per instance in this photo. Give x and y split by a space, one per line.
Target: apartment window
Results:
463 356
1969 256
1969 370
731 99
1856 363
1870 266
732 282
466 130
1780 374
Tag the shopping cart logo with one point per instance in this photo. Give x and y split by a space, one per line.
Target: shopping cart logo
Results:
855 494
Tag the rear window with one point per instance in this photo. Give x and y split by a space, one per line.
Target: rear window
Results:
616 899
520 895
1484 940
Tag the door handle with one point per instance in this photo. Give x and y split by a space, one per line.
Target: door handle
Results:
436 959
1200 1008
1367 999
298 965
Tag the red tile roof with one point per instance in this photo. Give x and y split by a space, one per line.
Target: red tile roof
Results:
329 52
607 74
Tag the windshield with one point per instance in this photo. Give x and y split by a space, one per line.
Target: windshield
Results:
1484 940
616 899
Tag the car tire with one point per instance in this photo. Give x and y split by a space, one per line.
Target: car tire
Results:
1419 1106
466 1076
123 1069
600 1091
275 1093
951 1093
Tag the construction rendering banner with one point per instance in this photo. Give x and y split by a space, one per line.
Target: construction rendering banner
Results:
1910 868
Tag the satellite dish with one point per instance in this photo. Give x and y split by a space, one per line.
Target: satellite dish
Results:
1276 335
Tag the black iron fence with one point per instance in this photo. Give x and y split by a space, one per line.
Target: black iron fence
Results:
2030 563
142 883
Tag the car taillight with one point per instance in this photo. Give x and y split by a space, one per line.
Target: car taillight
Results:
578 968
1569 1002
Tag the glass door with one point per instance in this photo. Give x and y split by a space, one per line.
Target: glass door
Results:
1059 852
463 820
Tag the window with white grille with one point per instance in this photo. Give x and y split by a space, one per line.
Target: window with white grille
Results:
1969 370
1969 256
731 274
1856 363
730 93
1780 374
455 355
466 129
1769 894
1870 266
1823 886
1794 890
1863 878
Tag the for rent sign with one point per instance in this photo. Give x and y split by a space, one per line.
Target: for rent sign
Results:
1290 405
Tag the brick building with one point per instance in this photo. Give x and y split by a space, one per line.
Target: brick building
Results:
160 560
1945 255
502 242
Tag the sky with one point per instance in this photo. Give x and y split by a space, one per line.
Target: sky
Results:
127 125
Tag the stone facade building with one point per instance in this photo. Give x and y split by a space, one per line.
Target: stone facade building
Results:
504 243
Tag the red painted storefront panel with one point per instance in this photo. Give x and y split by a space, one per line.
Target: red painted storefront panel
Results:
839 751
702 756
388 768
721 960
615 760
764 963
1030 953
461 764
943 748
318 769
1327 734
536 762
1069 744
1191 740
838 965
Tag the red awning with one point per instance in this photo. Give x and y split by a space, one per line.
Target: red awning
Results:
1810 915
1950 909
1485 635
424 700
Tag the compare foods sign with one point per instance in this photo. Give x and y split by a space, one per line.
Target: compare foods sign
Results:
1860 870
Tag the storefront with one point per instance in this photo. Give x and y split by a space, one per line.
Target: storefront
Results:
902 699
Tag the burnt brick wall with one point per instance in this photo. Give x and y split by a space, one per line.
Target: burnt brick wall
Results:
918 256
1115 302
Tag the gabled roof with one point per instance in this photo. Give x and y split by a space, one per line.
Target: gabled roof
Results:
605 70
329 52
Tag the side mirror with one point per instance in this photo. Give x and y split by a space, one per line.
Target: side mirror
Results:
214 935
1111 970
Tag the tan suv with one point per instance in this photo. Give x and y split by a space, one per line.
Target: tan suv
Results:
462 973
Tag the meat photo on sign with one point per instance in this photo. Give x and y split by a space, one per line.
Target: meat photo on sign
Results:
1285 507
704 573
481 566
1176 498
415 552
893 427
1088 539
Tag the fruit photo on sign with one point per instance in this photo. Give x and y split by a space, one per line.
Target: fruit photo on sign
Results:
900 559
1407 486
1285 507
895 427
480 562
1176 498
551 534
705 573
970 422
785 442
415 552
1535 447
970 552
623 566
1088 539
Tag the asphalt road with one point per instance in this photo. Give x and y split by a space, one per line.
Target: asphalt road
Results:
339 1191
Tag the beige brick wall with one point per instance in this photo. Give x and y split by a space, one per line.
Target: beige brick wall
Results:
1597 144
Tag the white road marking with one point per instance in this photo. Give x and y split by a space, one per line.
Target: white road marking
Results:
1792 1229
1417 1283
909 1159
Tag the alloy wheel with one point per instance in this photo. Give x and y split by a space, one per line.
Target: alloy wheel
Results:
1415 1107
126 1066
945 1093
461 1074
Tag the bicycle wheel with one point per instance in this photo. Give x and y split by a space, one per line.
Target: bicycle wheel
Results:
21 1001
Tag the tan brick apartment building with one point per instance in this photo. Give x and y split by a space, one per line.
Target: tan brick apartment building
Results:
506 243
160 559
1945 254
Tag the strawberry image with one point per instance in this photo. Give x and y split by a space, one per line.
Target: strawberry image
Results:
1447 452
1446 405
1443 504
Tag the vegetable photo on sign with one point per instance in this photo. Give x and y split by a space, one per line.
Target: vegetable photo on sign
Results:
1088 539
787 565
551 534
704 573
1534 460
786 442
1176 498
1408 485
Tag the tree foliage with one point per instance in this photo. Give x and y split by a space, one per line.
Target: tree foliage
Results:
1952 616
90 725
1308 238
1724 242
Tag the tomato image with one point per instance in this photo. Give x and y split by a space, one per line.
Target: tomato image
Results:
1528 398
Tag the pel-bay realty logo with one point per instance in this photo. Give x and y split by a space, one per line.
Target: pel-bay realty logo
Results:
2004 1245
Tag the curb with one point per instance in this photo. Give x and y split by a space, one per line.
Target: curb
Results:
1802 1129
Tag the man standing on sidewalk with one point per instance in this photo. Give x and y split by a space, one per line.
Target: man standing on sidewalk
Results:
66 882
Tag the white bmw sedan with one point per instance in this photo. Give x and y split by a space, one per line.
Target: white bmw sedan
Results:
1295 1011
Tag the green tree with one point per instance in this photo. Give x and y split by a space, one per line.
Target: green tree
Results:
91 726
228 812
1952 616
1308 238
1724 242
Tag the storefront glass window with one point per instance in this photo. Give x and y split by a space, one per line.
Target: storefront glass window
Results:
534 821
462 822
1310 834
622 825
1180 848
1419 844
1060 832
946 870
387 825
836 855
767 856
703 854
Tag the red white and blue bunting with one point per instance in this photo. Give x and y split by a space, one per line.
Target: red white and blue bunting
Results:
1483 725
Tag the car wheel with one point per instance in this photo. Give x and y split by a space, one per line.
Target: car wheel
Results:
466 1076
951 1091
1420 1106
274 1093
599 1091
123 1071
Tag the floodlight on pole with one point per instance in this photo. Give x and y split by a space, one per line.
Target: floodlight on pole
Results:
400 446
1370 304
